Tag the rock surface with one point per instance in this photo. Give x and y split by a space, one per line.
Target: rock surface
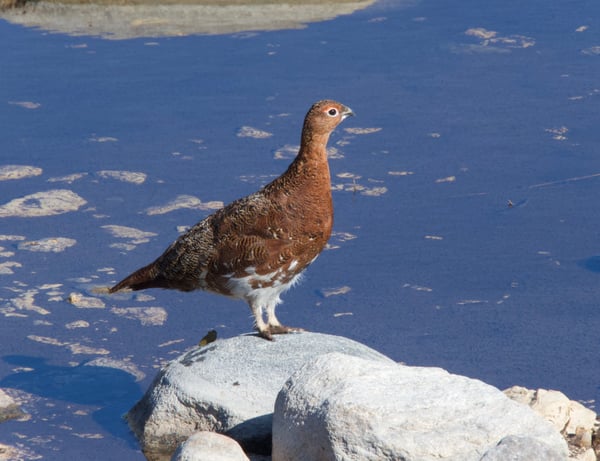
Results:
209 446
9 409
341 407
516 448
229 386
576 423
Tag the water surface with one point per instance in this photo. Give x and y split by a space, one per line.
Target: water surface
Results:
466 199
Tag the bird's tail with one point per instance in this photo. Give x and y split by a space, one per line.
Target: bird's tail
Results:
146 277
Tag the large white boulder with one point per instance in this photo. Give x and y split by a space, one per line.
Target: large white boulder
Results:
339 407
229 386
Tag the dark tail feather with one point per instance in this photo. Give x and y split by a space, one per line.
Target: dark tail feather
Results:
146 277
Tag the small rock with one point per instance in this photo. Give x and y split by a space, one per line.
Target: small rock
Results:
9 409
209 446
571 418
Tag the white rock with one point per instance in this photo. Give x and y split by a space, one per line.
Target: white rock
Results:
554 406
9 409
209 446
343 408
229 386
515 448
571 418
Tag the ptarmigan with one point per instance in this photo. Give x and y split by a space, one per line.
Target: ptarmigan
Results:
256 247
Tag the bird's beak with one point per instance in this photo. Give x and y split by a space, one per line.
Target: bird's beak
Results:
346 112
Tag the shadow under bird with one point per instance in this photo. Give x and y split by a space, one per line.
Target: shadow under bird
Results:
256 247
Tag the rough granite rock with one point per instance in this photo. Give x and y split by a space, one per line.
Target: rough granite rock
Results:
209 446
575 422
516 448
229 386
344 408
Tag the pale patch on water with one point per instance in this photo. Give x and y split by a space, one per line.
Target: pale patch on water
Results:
145 315
123 365
77 324
491 37
591 51
400 173
6 268
289 151
465 302
446 179
11 238
337 238
559 133
342 236
75 348
69 179
4 253
18 172
143 297
88 436
26 104
356 188
355 130
334 153
327 292
133 177
374 191
25 301
102 139
417 287
250 132
85 302
259 179
48 203
490 41
184 201
347 175
49 244
136 236
50 286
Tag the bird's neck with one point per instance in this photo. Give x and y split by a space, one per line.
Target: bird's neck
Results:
312 157
308 172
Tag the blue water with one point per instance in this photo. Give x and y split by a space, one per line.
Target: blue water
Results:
482 255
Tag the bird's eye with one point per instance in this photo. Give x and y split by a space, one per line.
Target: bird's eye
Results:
332 112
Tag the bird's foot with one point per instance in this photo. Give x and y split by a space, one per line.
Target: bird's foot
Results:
269 330
282 329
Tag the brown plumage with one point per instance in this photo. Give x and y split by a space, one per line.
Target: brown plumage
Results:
256 247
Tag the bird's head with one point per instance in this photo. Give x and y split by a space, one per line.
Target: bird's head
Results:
324 116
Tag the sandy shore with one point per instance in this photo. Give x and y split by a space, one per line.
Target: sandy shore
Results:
119 21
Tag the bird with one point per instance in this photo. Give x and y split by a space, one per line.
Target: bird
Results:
257 247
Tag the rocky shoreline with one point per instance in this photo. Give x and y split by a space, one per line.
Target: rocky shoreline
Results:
315 397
